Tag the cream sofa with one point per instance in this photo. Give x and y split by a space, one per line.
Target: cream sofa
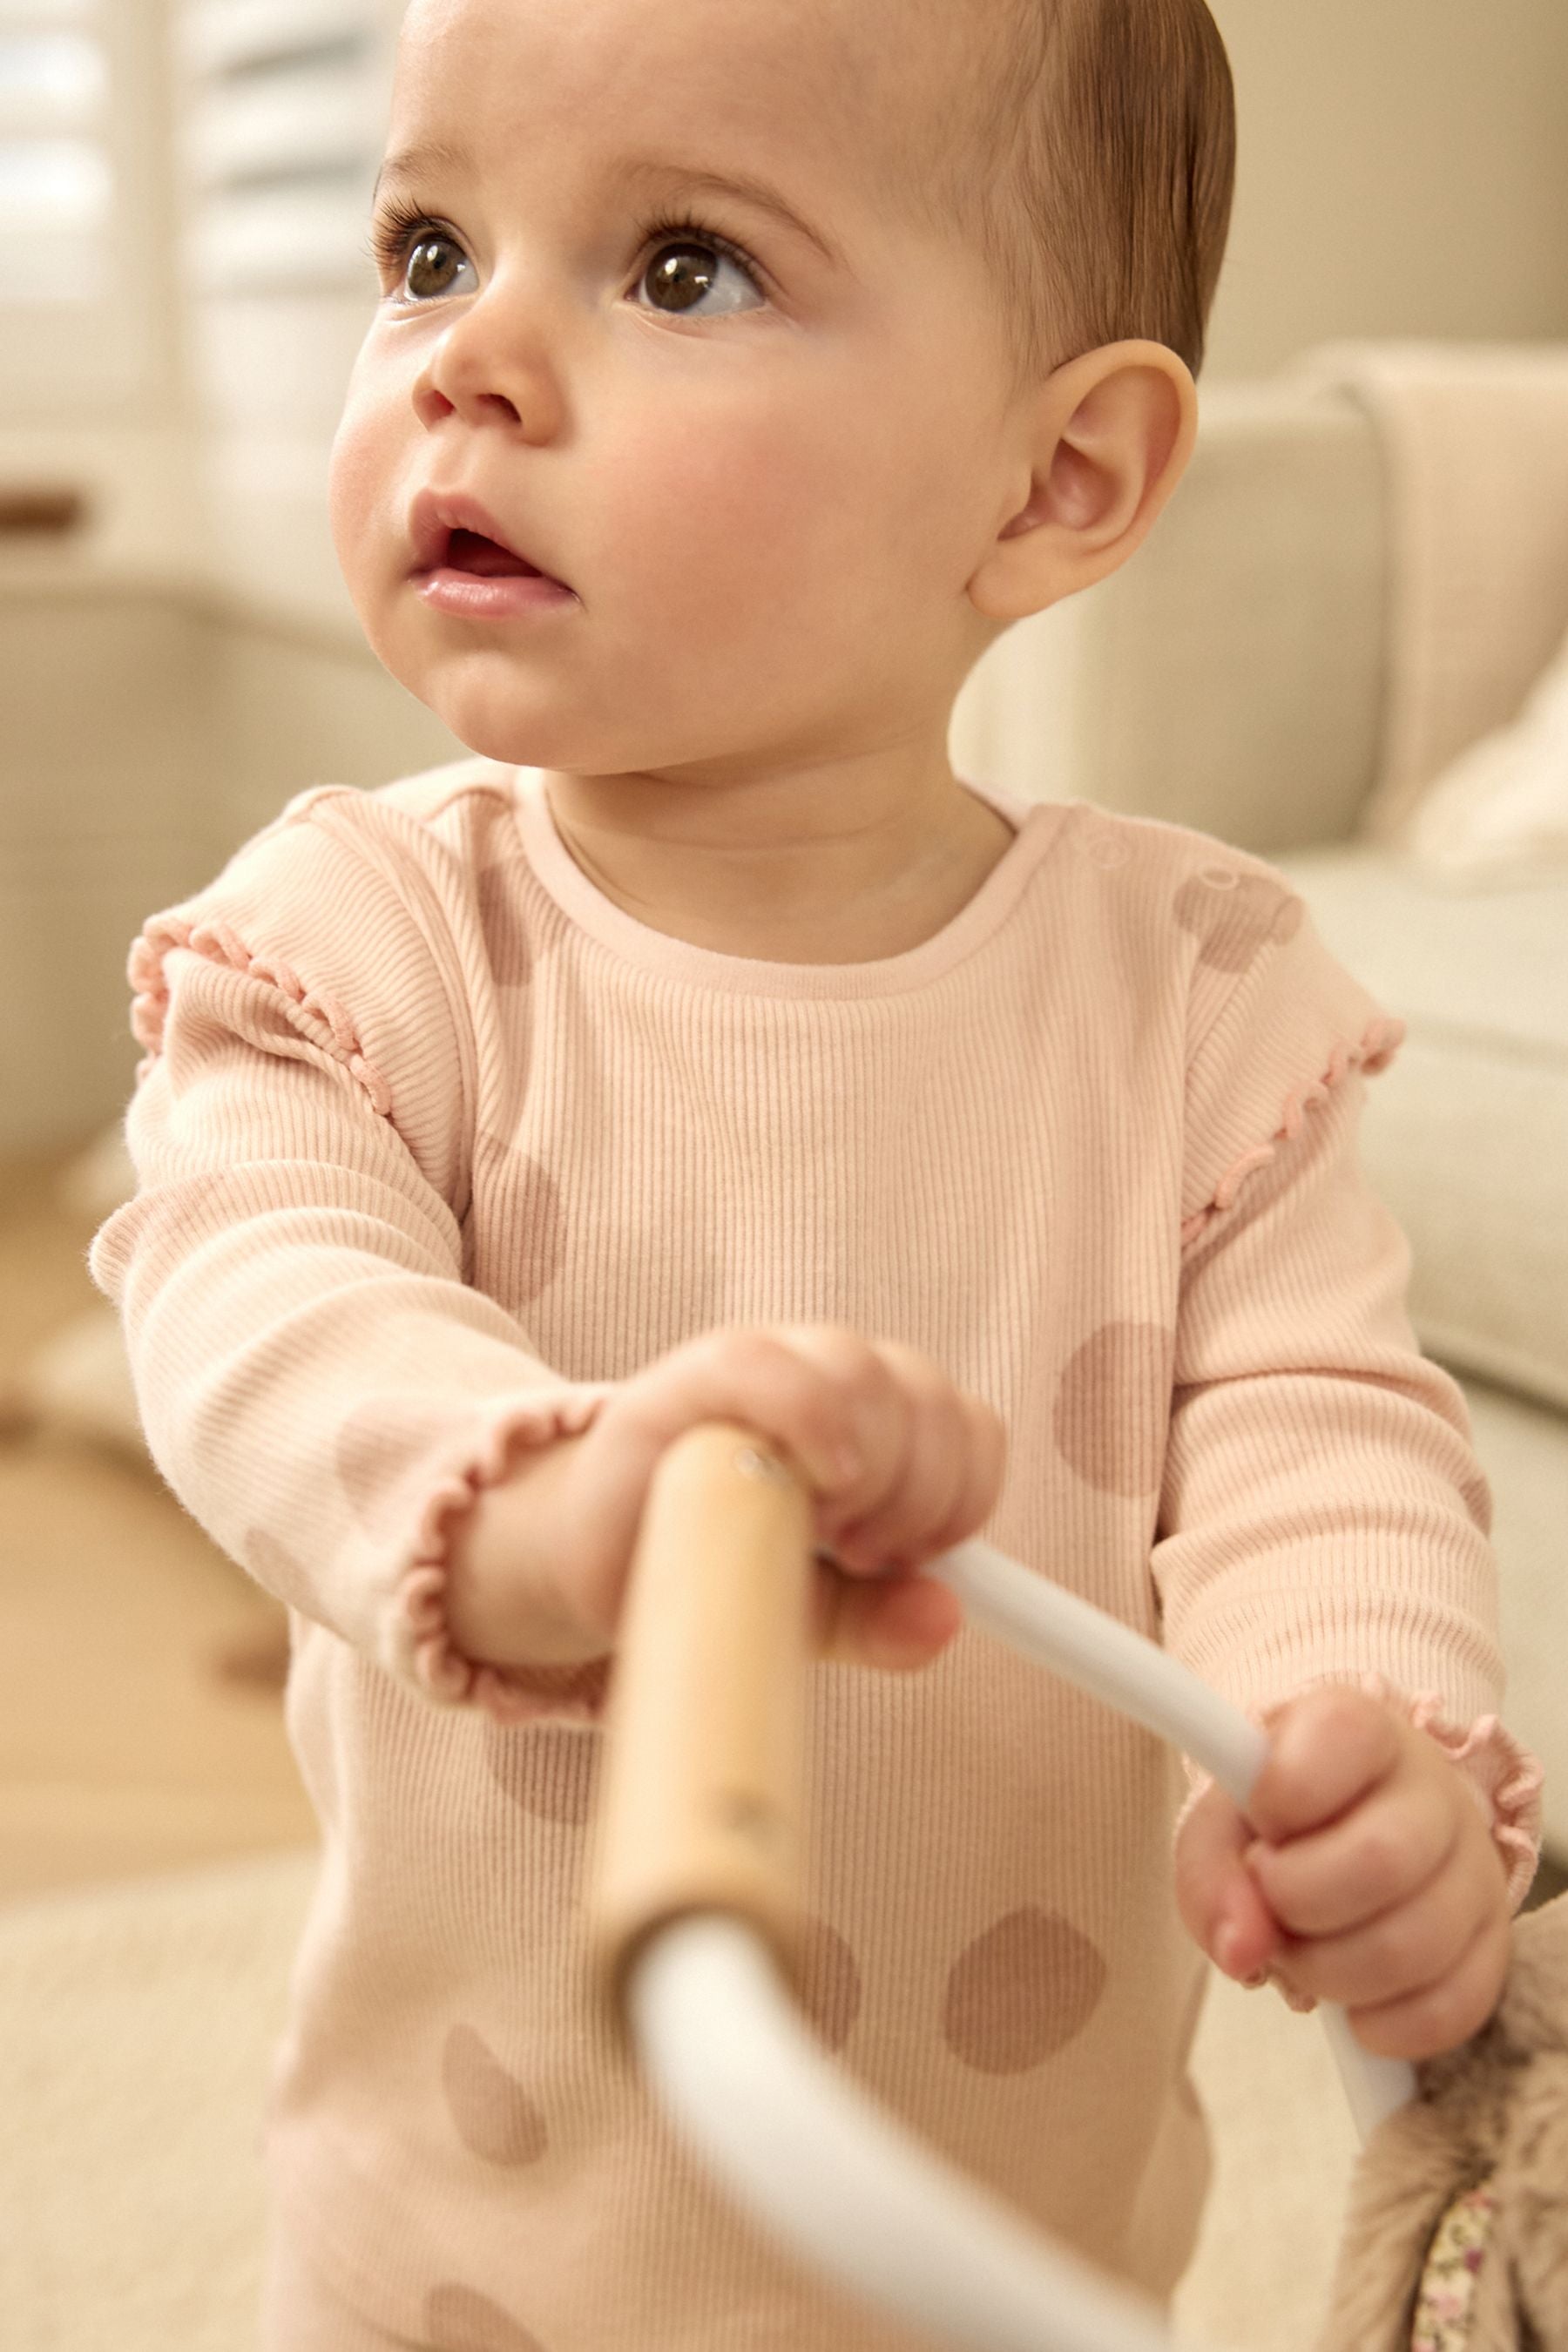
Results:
1234 678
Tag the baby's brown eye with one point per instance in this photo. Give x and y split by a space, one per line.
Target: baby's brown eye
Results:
427 247
685 270
684 273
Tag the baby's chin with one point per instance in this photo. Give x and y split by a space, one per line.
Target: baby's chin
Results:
502 719
505 729
490 712
499 706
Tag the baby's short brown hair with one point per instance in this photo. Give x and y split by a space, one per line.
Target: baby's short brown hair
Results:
1093 155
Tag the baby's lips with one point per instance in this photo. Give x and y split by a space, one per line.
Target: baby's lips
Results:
436 515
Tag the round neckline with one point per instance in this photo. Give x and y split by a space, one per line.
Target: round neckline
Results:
1035 825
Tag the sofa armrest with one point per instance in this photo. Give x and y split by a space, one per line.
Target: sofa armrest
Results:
1231 676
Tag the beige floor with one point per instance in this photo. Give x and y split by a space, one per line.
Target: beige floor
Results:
131 1739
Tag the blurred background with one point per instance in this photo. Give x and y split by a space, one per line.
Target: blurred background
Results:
1345 648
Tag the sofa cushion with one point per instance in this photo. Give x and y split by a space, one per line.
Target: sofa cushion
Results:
1466 1134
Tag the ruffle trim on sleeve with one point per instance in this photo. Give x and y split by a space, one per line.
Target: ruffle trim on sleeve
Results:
321 1019
421 1634
1377 1048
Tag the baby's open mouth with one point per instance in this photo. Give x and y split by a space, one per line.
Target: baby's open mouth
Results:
470 551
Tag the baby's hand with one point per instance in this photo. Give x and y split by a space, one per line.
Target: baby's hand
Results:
1374 1880
903 1465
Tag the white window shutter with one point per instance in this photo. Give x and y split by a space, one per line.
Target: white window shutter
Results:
56 181
282 110
282 106
84 283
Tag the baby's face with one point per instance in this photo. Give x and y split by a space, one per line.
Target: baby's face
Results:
766 476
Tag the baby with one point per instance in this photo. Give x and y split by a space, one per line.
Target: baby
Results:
703 1048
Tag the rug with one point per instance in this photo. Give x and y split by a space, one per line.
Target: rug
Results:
138 2024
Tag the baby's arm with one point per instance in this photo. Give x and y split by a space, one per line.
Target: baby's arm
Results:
374 1438
319 1385
1323 1521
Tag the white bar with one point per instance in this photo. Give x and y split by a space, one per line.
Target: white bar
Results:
282 241
1141 1681
818 2162
215 36
1110 1660
327 118
850 2191
45 15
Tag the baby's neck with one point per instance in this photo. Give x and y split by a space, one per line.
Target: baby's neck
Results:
854 895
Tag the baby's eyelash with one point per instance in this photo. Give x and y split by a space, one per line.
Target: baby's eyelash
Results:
674 226
392 234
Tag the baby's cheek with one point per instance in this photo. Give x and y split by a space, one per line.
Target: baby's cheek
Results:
715 532
354 482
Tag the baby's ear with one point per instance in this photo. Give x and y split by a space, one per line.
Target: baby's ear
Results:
1107 439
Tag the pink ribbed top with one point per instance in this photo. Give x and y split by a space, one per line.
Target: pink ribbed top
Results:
435 1144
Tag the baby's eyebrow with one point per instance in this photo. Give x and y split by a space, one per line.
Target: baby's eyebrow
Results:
649 168
432 155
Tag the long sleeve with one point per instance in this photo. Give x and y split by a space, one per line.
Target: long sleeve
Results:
319 1385
1322 1516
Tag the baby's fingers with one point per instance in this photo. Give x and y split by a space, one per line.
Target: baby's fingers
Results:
1439 2017
944 1483
1379 1855
896 1623
1328 1750
1220 1906
1411 1948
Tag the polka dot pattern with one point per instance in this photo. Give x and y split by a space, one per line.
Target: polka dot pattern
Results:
1233 914
548 1769
1021 1991
518 935
506 941
274 1564
374 1446
494 2117
530 1199
1112 1407
830 1991
456 2319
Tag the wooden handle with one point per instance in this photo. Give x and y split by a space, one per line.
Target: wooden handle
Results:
700 1796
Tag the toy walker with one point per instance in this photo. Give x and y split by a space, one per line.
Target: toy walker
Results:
696 1921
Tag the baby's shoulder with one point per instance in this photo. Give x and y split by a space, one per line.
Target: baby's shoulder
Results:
1111 841
446 804
1211 906
445 825
470 788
